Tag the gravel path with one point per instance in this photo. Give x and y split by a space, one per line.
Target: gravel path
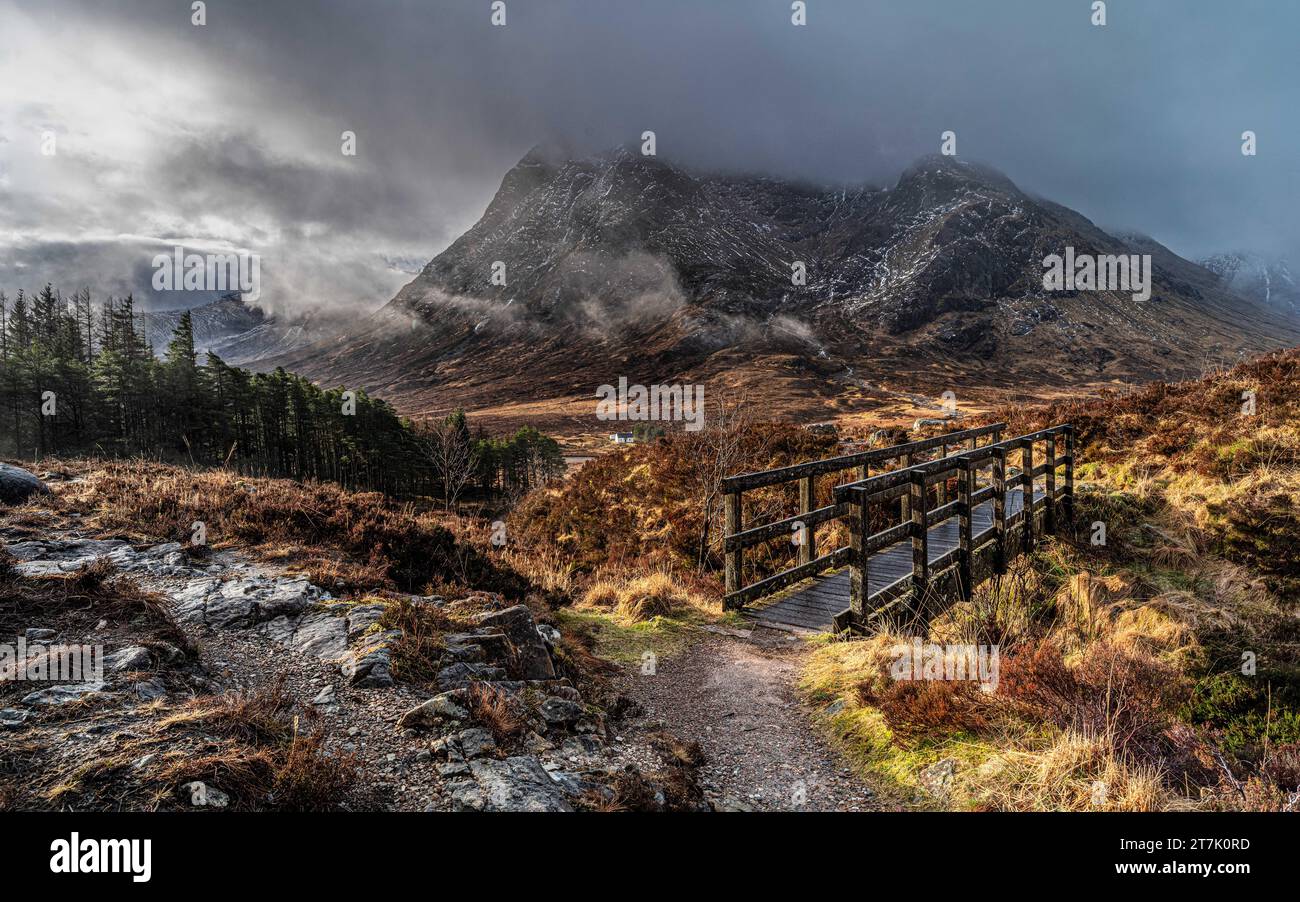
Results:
736 697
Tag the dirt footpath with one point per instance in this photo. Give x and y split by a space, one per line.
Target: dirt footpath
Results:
736 697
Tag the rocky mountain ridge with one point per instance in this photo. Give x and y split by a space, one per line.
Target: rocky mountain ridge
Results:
623 264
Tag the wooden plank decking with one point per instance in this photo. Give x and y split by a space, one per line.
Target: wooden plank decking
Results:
813 607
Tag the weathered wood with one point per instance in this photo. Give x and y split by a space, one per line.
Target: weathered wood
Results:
941 513
860 545
945 560
747 481
949 541
734 559
905 506
1049 506
940 475
843 621
1000 508
965 492
920 534
785 578
890 574
1027 486
807 502
1069 476
880 497
782 529
889 536
941 497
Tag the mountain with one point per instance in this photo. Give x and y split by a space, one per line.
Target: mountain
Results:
237 332
1266 280
272 337
212 322
624 265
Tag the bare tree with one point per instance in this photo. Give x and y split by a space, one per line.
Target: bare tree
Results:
449 448
720 450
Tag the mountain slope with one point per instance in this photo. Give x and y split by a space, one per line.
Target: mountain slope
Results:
237 332
212 322
1268 281
626 265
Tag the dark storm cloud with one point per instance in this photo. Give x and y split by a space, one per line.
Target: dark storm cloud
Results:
1136 124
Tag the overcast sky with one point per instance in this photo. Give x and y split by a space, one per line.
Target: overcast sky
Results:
228 135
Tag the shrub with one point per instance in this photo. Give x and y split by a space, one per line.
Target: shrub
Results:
494 708
916 709
1127 699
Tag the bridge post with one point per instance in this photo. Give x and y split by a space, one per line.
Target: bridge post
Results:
859 555
905 505
966 566
1027 490
942 487
734 559
807 503
1000 506
1069 475
1049 484
920 541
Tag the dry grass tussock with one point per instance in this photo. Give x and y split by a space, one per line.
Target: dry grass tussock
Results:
638 598
264 758
655 505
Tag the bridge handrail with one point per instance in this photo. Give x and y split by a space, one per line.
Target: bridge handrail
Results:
761 478
960 560
736 539
853 491
912 482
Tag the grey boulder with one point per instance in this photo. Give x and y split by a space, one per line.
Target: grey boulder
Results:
447 706
529 654
12 718
514 784
17 485
61 695
133 657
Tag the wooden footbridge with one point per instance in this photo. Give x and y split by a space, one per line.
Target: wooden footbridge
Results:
921 535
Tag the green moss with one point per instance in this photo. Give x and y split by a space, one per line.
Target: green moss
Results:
626 642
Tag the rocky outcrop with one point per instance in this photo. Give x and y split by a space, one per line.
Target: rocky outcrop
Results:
529 657
447 706
518 783
61 695
369 664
